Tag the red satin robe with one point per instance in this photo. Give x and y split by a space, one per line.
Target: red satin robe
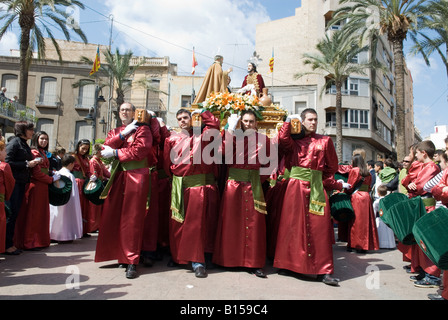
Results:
363 233
124 210
196 235
82 166
33 223
97 168
427 171
304 242
241 232
150 233
7 183
274 200
164 188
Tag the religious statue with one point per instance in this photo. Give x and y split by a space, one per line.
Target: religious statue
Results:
216 80
253 82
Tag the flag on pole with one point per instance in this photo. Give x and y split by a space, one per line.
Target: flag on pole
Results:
97 62
271 62
195 63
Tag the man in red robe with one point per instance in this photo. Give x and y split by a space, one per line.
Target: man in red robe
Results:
305 234
194 195
241 233
122 222
253 78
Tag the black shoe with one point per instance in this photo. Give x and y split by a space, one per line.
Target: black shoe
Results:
147 262
259 273
13 253
172 264
131 271
200 272
418 277
327 279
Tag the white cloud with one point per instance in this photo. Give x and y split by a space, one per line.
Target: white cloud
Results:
8 42
421 73
173 27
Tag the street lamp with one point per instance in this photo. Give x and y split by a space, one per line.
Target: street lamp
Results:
91 117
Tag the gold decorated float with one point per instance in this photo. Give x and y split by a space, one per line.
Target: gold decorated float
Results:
270 116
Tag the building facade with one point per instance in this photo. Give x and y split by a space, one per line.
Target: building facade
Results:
368 100
62 109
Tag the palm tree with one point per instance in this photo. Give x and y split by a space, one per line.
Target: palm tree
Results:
394 18
35 18
117 67
435 21
333 59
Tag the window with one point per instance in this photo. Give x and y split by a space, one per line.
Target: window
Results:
86 96
9 81
363 119
152 97
186 102
48 96
384 132
354 87
83 131
299 106
356 119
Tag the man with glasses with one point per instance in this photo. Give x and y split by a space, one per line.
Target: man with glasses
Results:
403 173
124 211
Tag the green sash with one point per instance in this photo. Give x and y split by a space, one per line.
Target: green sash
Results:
179 184
122 166
364 187
252 176
44 170
2 197
78 175
317 194
429 202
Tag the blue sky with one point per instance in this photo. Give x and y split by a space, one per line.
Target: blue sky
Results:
227 27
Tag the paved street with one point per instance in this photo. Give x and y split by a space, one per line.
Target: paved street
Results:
67 271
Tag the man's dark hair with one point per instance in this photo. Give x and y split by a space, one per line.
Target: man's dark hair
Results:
306 111
379 164
67 160
180 111
428 147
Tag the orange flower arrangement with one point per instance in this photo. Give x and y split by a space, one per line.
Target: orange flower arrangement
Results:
229 103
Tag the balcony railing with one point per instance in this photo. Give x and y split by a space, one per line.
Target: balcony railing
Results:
16 111
47 100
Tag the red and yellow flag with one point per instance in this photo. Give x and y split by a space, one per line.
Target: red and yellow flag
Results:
271 62
195 63
97 62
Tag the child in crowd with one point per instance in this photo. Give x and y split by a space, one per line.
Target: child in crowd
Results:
385 234
428 272
66 220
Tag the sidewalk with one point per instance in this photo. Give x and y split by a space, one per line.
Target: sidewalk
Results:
67 271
